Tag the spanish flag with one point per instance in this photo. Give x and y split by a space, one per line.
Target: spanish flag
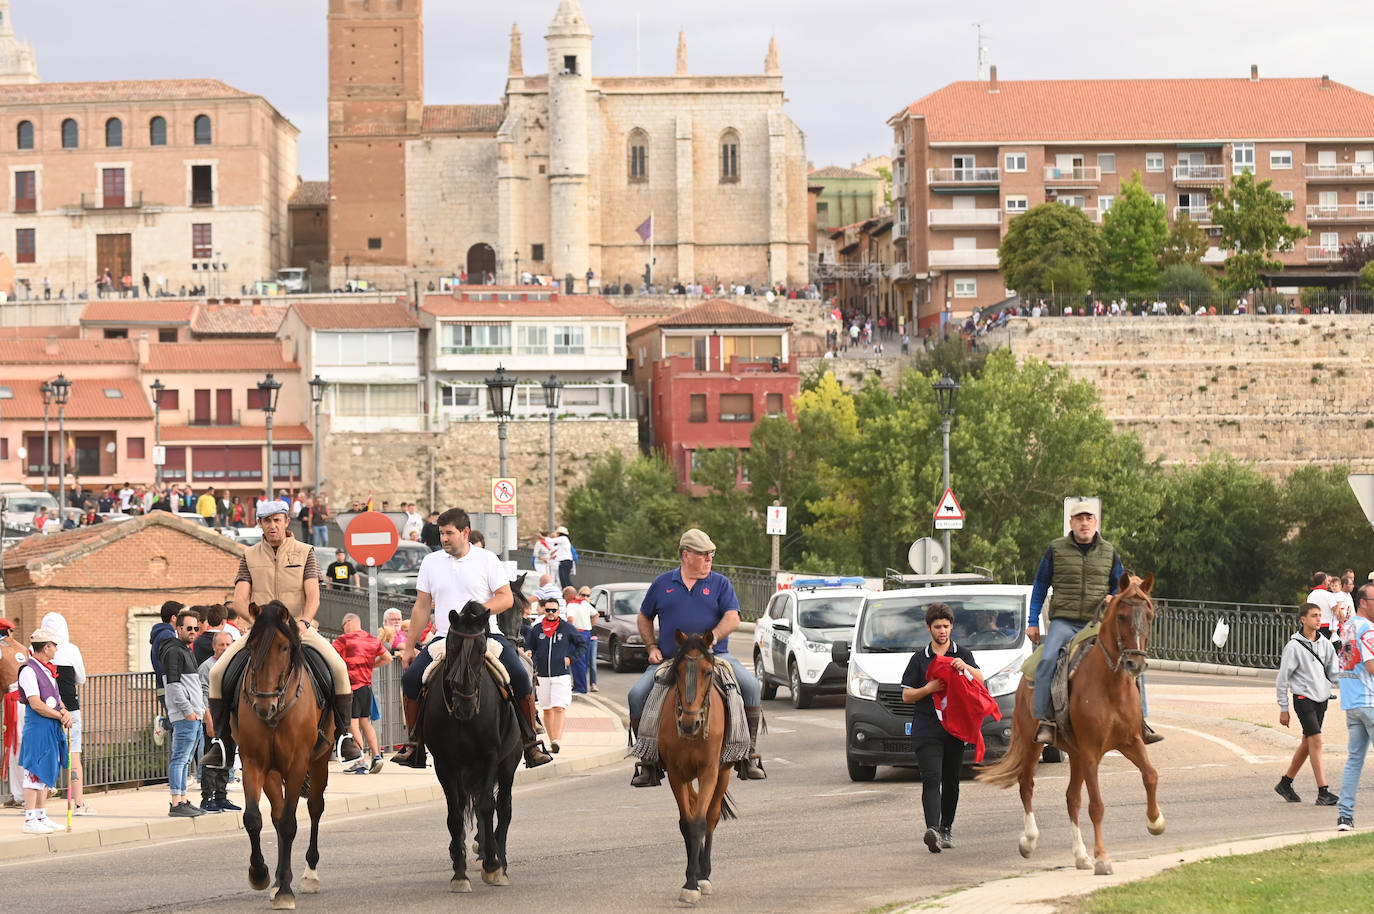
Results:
369 501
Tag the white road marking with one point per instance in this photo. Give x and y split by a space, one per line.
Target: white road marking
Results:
849 793
1245 756
823 722
772 729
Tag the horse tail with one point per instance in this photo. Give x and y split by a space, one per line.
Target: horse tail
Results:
727 807
1007 770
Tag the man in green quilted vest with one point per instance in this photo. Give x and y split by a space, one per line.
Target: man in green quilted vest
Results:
1083 569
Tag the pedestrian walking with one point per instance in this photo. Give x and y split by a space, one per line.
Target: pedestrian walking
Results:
585 594
1357 699
185 707
43 749
363 653
579 614
563 556
1308 667
554 646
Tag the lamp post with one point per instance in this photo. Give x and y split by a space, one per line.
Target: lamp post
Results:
46 390
157 387
553 392
268 388
945 390
517 269
500 398
61 392
317 386
347 261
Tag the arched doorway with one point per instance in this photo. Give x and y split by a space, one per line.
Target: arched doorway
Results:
481 261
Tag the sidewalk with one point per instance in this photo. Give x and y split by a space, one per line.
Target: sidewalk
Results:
593 737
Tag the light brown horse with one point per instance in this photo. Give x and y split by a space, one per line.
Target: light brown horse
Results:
277 728
691 733
1104 714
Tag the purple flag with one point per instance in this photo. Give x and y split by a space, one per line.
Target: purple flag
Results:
646 229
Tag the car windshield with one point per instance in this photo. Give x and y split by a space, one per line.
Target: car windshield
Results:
896 624
627 602
836 612
24 505
406 559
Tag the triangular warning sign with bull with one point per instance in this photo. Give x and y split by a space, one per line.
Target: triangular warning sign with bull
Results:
949 508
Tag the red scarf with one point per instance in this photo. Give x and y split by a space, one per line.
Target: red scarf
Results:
50 667
550 626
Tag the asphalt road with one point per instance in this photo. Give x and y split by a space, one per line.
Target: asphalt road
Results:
807 838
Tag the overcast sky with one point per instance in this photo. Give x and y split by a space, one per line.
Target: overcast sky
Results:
847 66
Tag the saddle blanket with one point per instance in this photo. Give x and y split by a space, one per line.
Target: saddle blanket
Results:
736 745
1072 655
493 658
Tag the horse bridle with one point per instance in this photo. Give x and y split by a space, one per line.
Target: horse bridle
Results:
250 688
1122 652
458 696
701 716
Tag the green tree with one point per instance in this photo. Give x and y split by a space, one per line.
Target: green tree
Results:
886 174
627 505
1133 233
1327 529
1051 248
782 464
1367 276
1253 220
1187 243
1187 282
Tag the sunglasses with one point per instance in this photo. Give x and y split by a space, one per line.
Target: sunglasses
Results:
551 609
191 628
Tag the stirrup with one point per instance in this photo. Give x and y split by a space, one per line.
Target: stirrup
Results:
352 754
751 768
214 757
536 754
1148 734
646 775
1046 733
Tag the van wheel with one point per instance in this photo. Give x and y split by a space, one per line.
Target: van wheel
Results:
859 772
768 690
801 698
1051 754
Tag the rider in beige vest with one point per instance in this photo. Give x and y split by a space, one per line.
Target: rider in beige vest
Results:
283 568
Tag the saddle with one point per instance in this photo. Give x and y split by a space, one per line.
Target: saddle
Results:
492 658
320 676
1069 659
735 748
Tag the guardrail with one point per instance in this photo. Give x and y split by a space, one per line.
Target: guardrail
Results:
117 712
1182 630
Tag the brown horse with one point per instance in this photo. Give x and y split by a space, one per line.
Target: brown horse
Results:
1104 714
691 733
277 728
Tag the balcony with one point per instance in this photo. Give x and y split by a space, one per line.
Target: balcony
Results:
961 177
25 205
1345 212
1317 253
898 151
1200 174
901 270
901 229
960 218
1075 176
1341 171
1202 215
98 202
1214 256
968 257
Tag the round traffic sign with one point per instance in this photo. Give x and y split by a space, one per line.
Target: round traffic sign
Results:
925 556
371 538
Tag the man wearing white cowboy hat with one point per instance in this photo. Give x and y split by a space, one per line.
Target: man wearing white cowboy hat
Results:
563 555
280 567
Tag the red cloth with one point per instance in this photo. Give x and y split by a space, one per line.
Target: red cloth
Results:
963 704
10 716
550 626
358 649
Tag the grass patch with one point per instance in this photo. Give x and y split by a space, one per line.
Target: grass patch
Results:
1311 876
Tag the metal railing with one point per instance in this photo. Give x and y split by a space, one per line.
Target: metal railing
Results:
1343 212
1202 215
117 711
1317 171
964 257
1199 172
989 216
962 176
1182 630
1317 253
1078 174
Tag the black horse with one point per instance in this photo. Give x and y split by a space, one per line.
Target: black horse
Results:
475 739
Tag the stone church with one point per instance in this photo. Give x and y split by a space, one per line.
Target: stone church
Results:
571 174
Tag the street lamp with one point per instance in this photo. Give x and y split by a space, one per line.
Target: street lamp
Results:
500 399
46 390
347 261
317 386
61 392
553 392
946 390
268 388
157 387
517 270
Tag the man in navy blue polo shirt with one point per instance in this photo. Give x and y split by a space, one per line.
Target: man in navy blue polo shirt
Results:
692 599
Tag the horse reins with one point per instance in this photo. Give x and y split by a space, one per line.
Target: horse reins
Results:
458 696
1121 650
249 687
703 714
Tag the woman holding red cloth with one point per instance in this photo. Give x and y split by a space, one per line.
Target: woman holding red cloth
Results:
939 754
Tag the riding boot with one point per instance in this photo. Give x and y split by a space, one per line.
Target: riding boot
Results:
535 753
646 773
1148 734
1046 733
412 755
345 748
222 748
751 768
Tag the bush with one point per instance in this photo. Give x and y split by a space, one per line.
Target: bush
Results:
1191 283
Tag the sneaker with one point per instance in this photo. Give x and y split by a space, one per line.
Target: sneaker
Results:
553 746
594 688
933 840
184 811
1325 797
210 805
358 768
946 836
376 765
1345 823
1284 788
227 805
83 809
36 827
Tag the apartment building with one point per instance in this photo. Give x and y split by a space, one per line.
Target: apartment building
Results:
972 156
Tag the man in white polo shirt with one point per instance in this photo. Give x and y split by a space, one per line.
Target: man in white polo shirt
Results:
448 579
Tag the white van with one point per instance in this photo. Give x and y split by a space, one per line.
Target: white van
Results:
989 619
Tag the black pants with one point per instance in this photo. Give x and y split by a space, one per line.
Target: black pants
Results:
565 573
940 760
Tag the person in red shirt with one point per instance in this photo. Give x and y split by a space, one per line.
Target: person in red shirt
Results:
362 653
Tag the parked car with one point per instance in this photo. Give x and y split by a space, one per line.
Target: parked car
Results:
792 638
617 629
401 571
246 536
20 507
989 619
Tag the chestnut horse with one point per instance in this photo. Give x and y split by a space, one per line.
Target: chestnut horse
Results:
277 728
691 734
1104 714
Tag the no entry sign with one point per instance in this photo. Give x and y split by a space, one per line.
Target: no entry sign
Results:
371 538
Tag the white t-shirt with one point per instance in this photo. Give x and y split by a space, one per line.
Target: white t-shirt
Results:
1344 607
413 522
562 549
451 583
124 496
1327 601
28 681
580 614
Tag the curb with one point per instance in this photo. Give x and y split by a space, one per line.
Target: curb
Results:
1213 669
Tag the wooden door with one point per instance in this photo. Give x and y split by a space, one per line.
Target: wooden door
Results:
114 253
202 416
224 407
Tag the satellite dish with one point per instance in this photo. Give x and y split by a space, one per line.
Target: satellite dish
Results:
926 556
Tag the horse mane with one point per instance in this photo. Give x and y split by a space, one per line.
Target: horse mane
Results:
693 642
463 649
273 617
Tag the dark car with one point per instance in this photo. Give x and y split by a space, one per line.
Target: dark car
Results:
401 571
617 631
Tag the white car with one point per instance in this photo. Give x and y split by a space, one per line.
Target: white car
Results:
793 637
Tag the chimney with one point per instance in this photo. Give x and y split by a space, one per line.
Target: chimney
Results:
256 309
1326 81
143 348
992 79
50 345
1254 72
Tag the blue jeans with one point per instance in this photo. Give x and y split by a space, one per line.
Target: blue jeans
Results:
319 535
1359 725
184 736
580 665
591 658
1060 633
413 677
639 692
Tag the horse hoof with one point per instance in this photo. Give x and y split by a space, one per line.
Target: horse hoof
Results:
1027 845
461 886
258 880
1156 827
310 882
689 896
1083 862
1102 868
497 878
283 901
704 886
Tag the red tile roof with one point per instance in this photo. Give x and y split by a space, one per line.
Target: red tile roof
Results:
346 315
717 312
835 171
215 434
133 311
67 351
462 118
444 305
39 333
1144 109
310 194
125 90
237 356
87 400
237 319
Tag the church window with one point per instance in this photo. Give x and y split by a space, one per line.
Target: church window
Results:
25 135
157 131
639 155
537 253
729 156
71 134
114 133
202 185
374 244
202 130
570 64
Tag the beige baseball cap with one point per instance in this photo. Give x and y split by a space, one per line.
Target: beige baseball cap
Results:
1082 506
